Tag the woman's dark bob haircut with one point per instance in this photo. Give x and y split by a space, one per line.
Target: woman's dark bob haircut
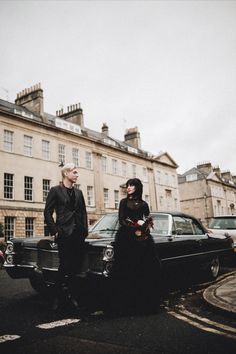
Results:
138 187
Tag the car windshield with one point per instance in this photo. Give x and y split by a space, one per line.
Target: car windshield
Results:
109 224
223 223
161 224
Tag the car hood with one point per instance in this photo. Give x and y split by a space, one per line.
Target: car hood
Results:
225 232
47 242
99 240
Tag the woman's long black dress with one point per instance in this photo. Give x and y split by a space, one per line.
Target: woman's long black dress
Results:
136 266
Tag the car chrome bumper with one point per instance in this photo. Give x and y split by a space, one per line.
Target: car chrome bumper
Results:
19 271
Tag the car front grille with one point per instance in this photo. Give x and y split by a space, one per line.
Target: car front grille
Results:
48 259
95 262
29 256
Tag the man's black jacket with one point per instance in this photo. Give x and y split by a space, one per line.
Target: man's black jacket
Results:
58 201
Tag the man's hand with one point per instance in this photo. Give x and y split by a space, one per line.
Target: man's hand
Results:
55 237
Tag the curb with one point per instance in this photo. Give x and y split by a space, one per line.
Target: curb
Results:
212 297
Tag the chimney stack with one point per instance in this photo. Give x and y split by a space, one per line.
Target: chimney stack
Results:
74 114
132 137
216 169
227 176
234 179
32 99
105 129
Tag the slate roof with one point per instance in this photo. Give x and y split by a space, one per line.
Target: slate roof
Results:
19 110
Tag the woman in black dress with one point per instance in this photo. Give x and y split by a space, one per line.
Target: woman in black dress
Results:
136 266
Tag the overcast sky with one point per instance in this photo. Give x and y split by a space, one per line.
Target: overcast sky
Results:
167 67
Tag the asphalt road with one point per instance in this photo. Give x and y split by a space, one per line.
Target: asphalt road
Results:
184 324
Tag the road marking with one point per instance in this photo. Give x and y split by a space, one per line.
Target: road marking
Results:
212 323
7 337
202 327
60 323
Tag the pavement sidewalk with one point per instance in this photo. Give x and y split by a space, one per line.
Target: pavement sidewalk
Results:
223 294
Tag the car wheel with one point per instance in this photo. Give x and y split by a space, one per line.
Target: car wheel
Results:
38 284
214 268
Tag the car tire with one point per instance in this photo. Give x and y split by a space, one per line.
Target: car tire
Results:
213 268
38 284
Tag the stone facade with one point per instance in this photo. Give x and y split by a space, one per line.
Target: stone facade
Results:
206 192
35 144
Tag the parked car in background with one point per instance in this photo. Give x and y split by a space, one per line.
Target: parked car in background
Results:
224 225
181 242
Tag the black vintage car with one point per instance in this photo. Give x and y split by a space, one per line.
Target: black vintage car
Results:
181 243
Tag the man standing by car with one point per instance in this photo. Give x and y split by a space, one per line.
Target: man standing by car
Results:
69 228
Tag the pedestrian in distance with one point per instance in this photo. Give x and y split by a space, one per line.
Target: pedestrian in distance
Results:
66 217
136 273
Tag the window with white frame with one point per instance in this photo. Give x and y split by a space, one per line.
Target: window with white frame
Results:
161 200
167 179
134 171
104 164
45 149
75 156
173 180
8 140
61 154
28 188
29 227
90 195
124 169
145 173
88 160
176 203
46 188
168 193
191 177
106 197
9 227
219 206
116 198
28 142
159 177
114 167
8 185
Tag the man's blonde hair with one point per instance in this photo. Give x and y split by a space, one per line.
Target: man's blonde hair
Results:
67 167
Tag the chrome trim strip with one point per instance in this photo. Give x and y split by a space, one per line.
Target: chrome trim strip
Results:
51 269
50 251
19 266
196 254
93 272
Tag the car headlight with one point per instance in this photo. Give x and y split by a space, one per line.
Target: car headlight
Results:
108 253
9 259
108 268
10 248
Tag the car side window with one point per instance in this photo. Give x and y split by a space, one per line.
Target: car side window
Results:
198 229
160 224
182 226
186 226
